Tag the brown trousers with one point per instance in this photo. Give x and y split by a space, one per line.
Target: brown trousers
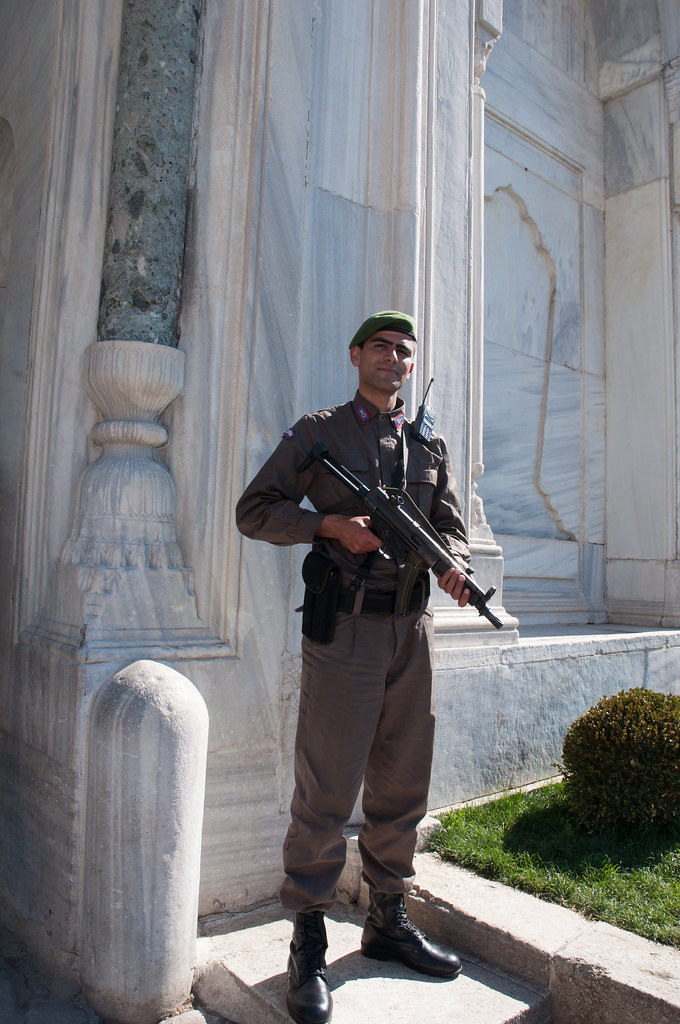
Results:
366 713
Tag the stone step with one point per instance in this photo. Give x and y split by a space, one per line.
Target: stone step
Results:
241 975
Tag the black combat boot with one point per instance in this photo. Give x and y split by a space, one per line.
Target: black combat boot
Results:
308 997
389 935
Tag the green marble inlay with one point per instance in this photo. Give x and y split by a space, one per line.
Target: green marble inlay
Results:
143 256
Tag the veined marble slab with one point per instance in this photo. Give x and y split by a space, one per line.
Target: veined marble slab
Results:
640 361
566 118
636 147
539 557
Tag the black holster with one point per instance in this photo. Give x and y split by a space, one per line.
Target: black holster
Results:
322 588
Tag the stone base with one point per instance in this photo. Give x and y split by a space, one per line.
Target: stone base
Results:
502 712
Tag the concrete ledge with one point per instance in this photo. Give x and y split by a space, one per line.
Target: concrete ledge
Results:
525 960
242 974
594 972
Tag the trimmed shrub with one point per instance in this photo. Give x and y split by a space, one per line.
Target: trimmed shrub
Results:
621 761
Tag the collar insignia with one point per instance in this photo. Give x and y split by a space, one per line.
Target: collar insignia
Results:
363 413
399 421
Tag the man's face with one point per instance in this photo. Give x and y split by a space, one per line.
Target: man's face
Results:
385 362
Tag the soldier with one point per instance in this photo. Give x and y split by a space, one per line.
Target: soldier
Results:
366 699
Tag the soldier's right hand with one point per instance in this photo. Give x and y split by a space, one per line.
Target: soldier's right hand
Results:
353 532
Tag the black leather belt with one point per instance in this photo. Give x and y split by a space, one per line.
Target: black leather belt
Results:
376 602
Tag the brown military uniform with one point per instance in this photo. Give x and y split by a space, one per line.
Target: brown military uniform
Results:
366 707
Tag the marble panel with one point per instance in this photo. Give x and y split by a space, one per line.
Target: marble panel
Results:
629 44
636 580
43 753
592 576
333 289
524 211
546 602
672 592
519 277
566 117
276 251
7 183
525 156
635 138
537 26
558 473
512 16
359 91
241 312
40 843
240 867
532 404
574 48
640 390
27 40
639 65
560 32
670 28
341 82
592 312
70 196
634 24
503 724
513 393
663 670
593 499
357 261
539 557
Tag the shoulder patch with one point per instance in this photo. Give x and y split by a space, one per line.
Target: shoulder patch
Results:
288 433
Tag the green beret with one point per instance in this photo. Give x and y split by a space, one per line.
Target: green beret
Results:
388 320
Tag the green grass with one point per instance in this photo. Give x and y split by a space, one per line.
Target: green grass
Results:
525 839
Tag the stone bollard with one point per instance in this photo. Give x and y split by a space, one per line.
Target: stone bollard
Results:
145 785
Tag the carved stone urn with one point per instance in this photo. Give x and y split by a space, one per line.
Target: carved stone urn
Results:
124 539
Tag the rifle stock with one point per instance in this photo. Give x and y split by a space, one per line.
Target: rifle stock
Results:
403 528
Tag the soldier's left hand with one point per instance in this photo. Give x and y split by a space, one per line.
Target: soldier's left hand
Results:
453 583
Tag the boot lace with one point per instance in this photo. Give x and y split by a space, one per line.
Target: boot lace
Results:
314 962
401 922
312 949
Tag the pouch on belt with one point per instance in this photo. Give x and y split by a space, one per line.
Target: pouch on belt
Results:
322 586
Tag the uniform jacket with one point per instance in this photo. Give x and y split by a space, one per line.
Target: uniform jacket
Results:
368 443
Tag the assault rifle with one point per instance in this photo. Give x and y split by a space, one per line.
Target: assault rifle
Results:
405 532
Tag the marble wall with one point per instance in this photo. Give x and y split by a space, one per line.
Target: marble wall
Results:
579 394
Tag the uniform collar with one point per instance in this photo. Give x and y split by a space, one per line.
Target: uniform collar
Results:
366 411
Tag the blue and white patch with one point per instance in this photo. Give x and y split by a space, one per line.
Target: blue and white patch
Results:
288 433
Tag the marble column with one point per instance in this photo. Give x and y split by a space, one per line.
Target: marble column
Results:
672 84
486 553
130 579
